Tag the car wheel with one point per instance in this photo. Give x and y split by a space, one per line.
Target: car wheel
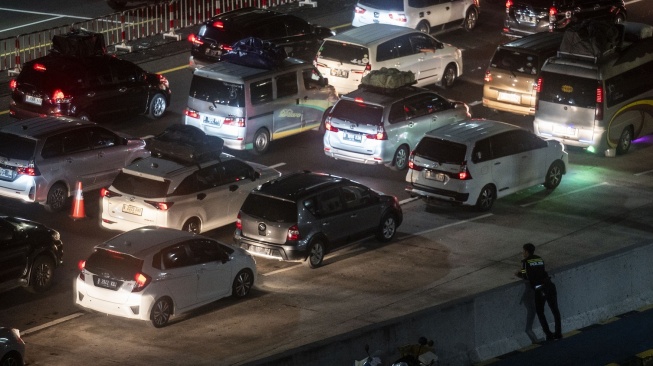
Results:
625 140
449 76
400 160
387 228
11 359
57 197
158 106
471 18
242 284
161 312
486 198
553 176
315 254
424 27
261 142
40 277
192 225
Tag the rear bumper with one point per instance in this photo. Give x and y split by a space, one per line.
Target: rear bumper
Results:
437 194
289 253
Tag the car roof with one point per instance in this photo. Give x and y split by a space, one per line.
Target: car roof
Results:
157 168
231 72
370 34
536 42
246 17
384 97
299 184
39 127
145 240
471 130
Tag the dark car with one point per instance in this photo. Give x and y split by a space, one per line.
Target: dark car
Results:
29 253
91 87
304 215
299 38
122 4
524 17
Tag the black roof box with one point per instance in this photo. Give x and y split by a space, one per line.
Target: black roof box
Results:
256 53
79 43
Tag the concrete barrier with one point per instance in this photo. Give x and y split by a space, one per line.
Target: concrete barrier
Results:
498 321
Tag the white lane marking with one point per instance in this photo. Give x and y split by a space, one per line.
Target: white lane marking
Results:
40 13
448 225
50 324
276 165
29 24
642 173
474 103
566 194
408 200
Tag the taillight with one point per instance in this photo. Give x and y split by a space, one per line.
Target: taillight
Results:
508 5
411 163
359 10
81 264
12 84
142 280
108 194
192 38
598 114
58 96
192 113
161 206
379 135
488 76
293 233
538 89
552 12
234 121
463 173
30 170
39 67
163 80
239 222
328 126
218 24
226 47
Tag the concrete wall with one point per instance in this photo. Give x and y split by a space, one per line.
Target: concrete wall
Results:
497 321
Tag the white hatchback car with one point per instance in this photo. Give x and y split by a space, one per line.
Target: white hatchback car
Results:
153 273
477 161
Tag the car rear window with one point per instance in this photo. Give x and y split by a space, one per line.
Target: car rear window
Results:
344 53
218 92
515 61
396 5
269 208
568 90
441 151
221 35
51 76
359 113
16 147
140 186
117 265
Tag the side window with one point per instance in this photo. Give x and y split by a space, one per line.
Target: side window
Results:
422 43
261 91
312 78
296 26
356 196
99 74
101 138
387 51
503 145
205 251
403 46
397 113
287 85
271 30
124 71
198 181
329 202
482 151
52 147
311 205
176 257
75 141
234 171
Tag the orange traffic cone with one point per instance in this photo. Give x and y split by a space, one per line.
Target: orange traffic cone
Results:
78 204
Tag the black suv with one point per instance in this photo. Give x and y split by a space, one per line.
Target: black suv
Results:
215 37
524 17
29 253
302 216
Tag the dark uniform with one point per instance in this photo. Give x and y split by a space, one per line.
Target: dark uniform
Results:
545 291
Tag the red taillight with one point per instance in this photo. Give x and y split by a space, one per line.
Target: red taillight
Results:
161 206
239 222
39 67
192 38
58 96
30 170
553 11
488 76
538 89
359 10
508 5
192 113
234 121
142 280
328 126
293 233
108 194
379 135
81 264
218 24
463 173
411 163
13 84
368 67
226 47
598 115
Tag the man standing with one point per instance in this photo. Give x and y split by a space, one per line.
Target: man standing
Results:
545 291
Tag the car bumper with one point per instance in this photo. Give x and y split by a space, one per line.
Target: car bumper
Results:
427 193
289 253
137 306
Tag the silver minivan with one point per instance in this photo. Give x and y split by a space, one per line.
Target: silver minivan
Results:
249 107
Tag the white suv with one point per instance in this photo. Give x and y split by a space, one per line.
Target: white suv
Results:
477 161
348 56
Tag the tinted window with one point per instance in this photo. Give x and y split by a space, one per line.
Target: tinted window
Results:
16 147
226 36
441 151
275 29
394 48
482 151
356 196
287 85
101 138
505 144
269 208
61 75
329 202
514 61
361 113
568 90
117 265
124 71
296 25
422 42
345 53
261 91
218 92
384 4
204 251
139 186
629 84
176 256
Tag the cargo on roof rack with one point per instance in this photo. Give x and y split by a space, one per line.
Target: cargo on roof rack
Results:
387 79
80 43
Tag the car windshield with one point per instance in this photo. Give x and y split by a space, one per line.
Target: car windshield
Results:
568 90
217 92
16 147
514 61
390 5
441 151
270 208
139 186
51 76
116 265
344 52
360 113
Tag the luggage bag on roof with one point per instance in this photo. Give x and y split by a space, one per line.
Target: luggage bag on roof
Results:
388 78
79 43
187 144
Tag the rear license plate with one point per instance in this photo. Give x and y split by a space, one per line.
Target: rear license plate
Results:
340 73
33 100
212 121
526 19
564 130
7 173
132 210
509 97
210 52
261 250
356 137
106 283
435 176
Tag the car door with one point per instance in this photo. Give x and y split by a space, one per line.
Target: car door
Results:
110 155
179 275
407 122
532 160
100 98
441 12
129 82
363 207
67 156
334 220
504 163
317 97
289 105
428 54
213 269
398 53
13 254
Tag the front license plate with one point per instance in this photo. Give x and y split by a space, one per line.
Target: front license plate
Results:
132 210
340 73
509 97
435 176
106 283
356 137
564 130
33 100
7 173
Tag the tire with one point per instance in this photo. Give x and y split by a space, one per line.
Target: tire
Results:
57 198
243 283
158 106
448 77
41 274
400 159
424 27
315 253
553 175
161 312
471 18
261 142
192 225
12 359
625 140
387 228
486 198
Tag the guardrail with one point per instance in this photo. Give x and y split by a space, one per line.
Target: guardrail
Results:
162 18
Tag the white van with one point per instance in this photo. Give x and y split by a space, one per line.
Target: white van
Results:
250 107
348 56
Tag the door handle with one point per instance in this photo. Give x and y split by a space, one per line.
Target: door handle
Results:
69 160
411 124
497 163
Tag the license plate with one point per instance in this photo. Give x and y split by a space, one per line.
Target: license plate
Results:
106 283
564 130
526 19
33 100
210 52
7 173
212 121
340 73
356 137
509 97
435 176
132 210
